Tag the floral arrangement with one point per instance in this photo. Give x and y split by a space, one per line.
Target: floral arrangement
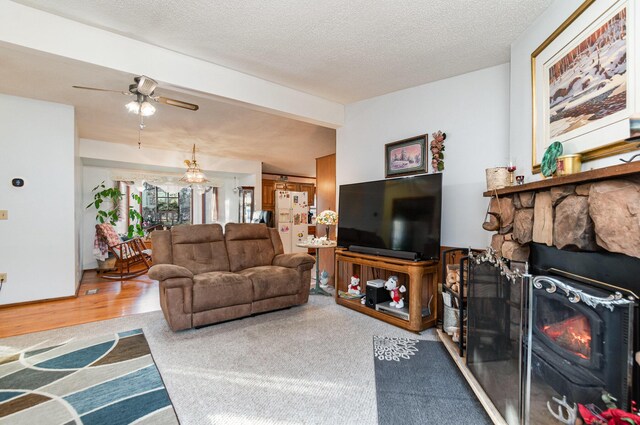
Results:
327 217
437 149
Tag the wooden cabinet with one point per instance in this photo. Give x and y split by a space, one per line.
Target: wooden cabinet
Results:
282 186
270 186
418 277
268 195
311 191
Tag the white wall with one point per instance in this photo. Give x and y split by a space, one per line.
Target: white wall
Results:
78 207
472 109
37 243
520 105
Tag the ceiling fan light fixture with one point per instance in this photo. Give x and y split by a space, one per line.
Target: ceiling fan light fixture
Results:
193 175
133 107
147 109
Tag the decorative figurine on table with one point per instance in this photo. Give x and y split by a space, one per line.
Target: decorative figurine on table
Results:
391 285
354 286
324 278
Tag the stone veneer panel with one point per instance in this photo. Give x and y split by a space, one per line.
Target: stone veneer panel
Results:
523 225
614 207
572 227
561 192
543 219
527 199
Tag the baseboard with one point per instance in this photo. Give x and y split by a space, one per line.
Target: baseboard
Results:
46 300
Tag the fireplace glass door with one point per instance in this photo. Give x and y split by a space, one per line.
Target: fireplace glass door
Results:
577 348
572 331
494 337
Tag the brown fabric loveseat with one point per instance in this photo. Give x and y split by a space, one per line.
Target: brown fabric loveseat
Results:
208 277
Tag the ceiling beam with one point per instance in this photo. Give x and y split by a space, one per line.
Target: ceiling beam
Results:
34 29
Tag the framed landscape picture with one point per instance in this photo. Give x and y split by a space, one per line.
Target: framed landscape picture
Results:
406 157
583 82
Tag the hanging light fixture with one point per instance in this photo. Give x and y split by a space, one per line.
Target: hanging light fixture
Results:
141 106
147 109
133 107
193 174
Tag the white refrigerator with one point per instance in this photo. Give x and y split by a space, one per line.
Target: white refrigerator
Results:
292 216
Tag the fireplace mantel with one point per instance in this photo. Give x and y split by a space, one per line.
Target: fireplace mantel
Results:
583 177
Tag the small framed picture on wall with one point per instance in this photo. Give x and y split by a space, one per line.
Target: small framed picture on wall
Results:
406 157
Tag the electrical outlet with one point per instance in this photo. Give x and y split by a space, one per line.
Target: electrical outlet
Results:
4 215
3 277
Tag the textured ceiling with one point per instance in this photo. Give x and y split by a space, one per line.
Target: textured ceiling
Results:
337 49
285 146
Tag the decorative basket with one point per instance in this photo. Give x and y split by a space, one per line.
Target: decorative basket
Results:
497 178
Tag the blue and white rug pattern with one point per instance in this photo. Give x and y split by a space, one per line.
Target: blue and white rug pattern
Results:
105 379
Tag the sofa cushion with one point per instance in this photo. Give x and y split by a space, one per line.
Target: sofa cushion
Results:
272 281
276 241
161 240
199 248
220 289
248 245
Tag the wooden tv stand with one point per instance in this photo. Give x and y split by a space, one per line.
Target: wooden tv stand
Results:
419 277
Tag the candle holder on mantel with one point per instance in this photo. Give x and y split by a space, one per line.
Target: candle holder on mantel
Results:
511 168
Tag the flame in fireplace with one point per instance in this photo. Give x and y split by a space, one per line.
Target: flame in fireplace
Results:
573 334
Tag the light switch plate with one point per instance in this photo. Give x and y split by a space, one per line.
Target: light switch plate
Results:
4 215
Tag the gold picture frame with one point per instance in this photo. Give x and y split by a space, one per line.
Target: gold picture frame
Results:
608 148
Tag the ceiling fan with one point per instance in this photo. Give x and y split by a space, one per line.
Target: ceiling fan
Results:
143 90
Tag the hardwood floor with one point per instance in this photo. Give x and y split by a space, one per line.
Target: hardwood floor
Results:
114 299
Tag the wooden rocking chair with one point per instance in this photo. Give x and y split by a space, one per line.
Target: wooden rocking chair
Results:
132 257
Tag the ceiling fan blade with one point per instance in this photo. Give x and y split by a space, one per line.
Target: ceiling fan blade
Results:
174 102
97 89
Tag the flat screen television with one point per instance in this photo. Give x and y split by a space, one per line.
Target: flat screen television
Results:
395 217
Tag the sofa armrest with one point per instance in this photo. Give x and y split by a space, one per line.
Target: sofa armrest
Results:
292 261
169 271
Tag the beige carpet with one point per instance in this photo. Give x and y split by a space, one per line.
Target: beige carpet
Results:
306 365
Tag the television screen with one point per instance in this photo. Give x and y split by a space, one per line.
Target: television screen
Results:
392 217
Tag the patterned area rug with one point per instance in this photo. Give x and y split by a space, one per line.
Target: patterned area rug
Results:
418 383
103 380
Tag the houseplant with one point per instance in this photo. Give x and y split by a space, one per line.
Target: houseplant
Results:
106 201
110 213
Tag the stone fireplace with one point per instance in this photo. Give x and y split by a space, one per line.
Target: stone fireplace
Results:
594 216
580 235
